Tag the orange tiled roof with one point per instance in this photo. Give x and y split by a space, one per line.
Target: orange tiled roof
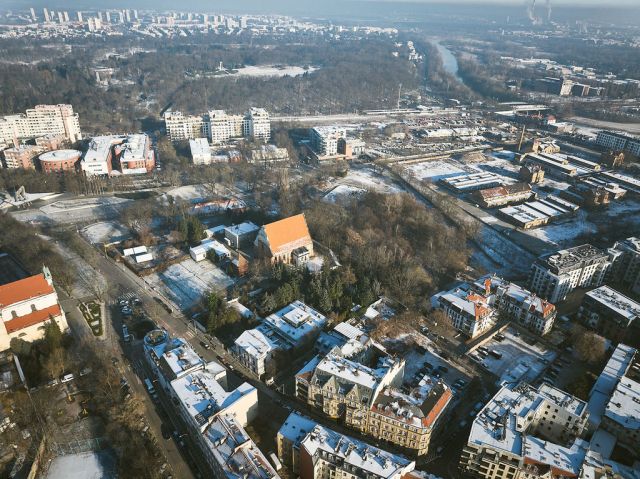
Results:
286 231
36 317
433 415
24 289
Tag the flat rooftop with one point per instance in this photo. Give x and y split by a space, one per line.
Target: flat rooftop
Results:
616 302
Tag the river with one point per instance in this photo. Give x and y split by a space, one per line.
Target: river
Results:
448 60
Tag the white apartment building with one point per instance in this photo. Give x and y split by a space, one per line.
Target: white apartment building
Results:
554 276
525 432
215 415
39 121
257 124
184 127
223 127
218 126
133 155
26 305
136 157
324 139
282 330
200 151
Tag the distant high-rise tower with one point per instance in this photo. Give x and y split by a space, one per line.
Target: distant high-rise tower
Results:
79 17
108 15
127 15
65 15
33 14
60 17
135 14
46 15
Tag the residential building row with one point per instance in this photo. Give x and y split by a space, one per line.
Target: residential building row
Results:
39 121
218 126
359 383
474 308
312 451
215 414
27 303
527 432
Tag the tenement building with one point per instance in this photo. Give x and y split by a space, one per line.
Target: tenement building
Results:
316 452
555 275
215 415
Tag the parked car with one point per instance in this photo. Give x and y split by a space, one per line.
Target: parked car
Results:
205 345
66 378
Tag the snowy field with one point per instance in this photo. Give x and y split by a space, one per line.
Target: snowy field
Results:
586 222
107 232
186 283
75 210
368 179
189 193
439 169
271 71
344 194
520 360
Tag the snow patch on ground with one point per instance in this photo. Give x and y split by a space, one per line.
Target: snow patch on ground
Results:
187 282
107 232
272 71
344 193
189 192
436 170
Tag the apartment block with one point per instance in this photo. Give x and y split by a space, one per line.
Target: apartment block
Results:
344 383
257 124
325 139
619 142
611 313
555 275
214 414
625 269
23 156
184 127
525 432
315 452
42 120
281 331
470 313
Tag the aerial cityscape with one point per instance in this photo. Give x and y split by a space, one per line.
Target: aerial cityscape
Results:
359 239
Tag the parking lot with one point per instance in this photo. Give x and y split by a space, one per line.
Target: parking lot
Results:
514 357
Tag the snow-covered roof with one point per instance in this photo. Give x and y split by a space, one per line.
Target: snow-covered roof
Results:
624 405
256 343
242 229
296 427
182 359
207 245
355 454
235 452
202 396
504 423
295 321
607 381
616 302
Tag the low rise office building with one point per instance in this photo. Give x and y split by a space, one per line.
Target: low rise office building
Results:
625 268
503 195
200 151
